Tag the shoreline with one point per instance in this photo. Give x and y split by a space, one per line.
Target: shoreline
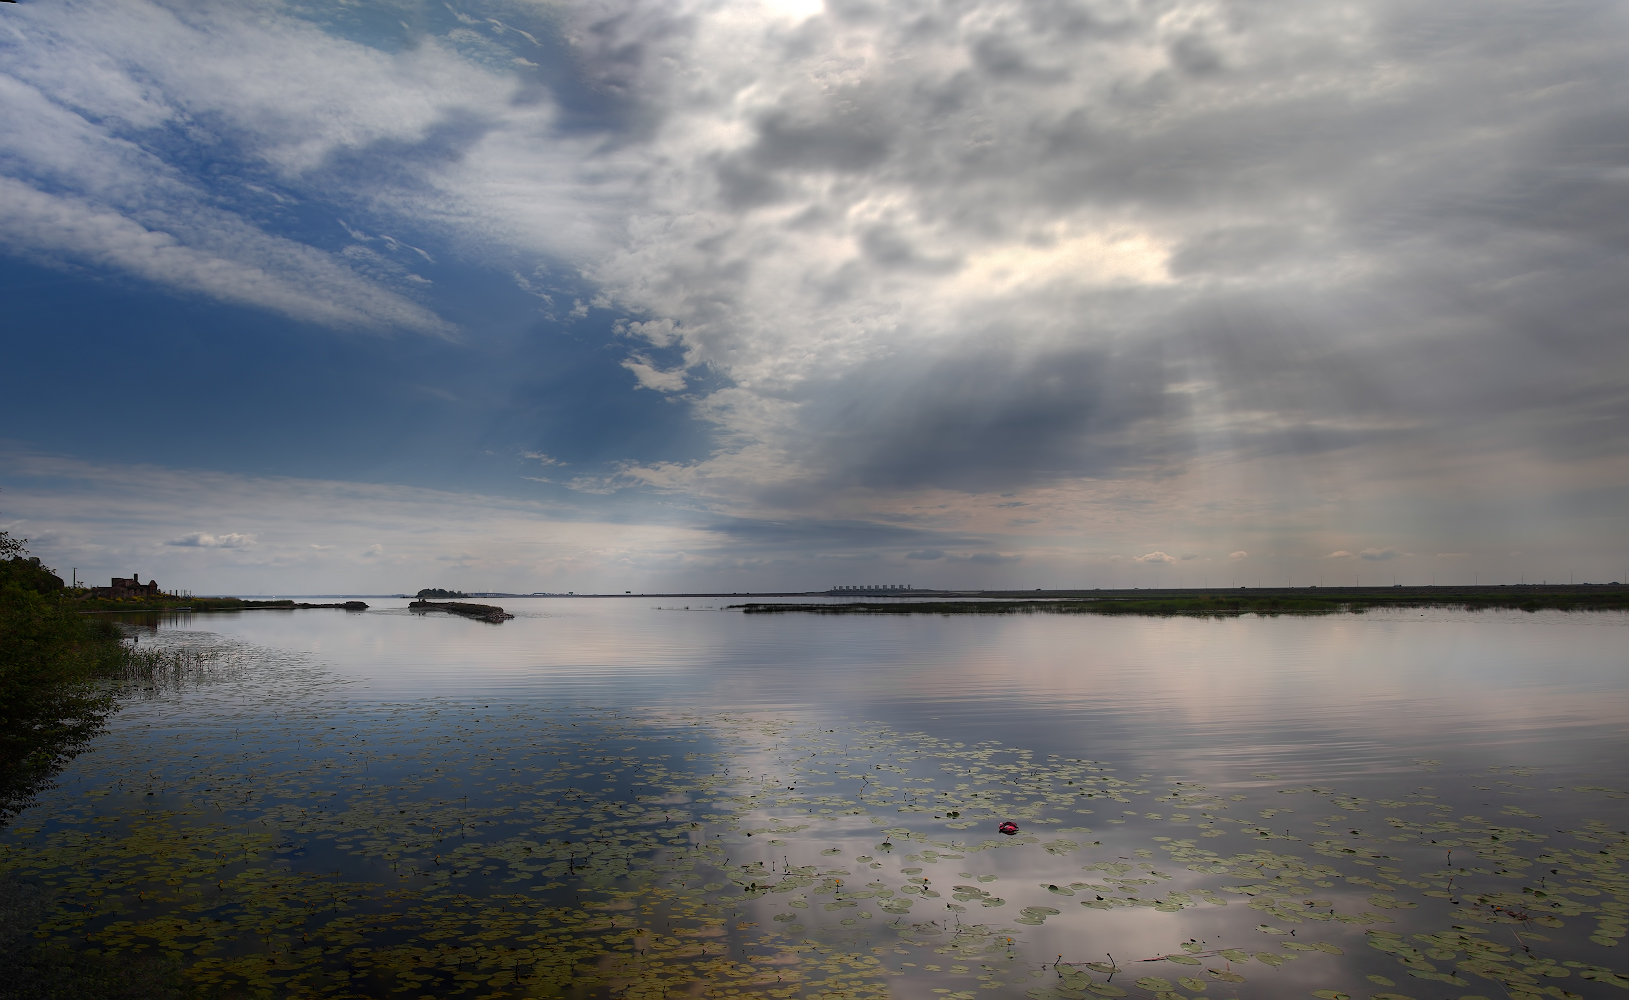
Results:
1212 603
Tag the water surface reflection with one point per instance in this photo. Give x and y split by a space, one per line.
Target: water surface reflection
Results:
606 798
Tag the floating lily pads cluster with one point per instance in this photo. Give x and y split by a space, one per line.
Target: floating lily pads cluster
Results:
282 838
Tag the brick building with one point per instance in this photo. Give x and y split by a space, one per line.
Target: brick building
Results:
132 587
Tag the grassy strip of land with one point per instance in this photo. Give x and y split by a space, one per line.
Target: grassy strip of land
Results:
1229 605
82 601
1218 604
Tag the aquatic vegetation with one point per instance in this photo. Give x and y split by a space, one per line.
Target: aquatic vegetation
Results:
249 827
273 835
49 972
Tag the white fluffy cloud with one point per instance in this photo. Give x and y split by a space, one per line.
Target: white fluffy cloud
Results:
651 377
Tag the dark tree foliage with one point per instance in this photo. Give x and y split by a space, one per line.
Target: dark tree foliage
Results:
28 574
437 592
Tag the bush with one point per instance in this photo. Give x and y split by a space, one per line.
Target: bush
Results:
28 574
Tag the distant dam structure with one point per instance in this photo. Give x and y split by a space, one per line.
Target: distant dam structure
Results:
873 590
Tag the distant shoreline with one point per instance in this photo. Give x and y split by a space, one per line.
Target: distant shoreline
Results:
1299 600
1186 600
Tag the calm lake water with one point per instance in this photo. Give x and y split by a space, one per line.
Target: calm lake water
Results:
655 797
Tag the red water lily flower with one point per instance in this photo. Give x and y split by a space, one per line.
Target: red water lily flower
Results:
1009 828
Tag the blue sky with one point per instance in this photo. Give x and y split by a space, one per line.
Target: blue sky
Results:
754 295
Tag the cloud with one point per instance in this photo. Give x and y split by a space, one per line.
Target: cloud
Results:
434 393
105 126
651 377
1169 264
202 540
1189 556
1371 554
982 261
373 551
1154 557
94 107
989 558
220 258
1380 555
1241 554
926 554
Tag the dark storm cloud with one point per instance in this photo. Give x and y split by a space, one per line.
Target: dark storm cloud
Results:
987 419
842 144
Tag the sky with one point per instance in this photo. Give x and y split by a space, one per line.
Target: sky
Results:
759 295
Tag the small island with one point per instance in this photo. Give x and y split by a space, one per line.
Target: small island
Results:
480 612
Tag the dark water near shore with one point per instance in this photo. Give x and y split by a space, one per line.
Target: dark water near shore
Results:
608 798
